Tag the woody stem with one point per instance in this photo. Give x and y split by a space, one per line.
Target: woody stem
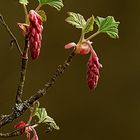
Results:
24 62
22 107
60 70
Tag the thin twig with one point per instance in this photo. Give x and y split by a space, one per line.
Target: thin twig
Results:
20 108
23 72
60 70
10 134
16 132
14 40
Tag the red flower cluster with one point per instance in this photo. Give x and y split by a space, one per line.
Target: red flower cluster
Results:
93 63
35 33
93 68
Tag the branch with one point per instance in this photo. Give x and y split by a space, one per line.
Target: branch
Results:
17 132
20 108
11 34
60 70
11 134
23 71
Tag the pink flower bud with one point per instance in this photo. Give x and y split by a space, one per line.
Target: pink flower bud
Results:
70 45
84 48
35 33
93 68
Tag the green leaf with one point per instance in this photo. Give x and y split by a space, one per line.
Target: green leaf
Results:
25 2
51 122
89 25
43 117
108 25
42 14
58 4
76 20
41 113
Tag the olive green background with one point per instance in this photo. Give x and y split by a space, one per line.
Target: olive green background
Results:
112 112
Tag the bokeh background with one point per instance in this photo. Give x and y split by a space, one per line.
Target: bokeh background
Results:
112 112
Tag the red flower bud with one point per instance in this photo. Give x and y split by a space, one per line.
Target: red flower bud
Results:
27 130
21 124
93 68
35 33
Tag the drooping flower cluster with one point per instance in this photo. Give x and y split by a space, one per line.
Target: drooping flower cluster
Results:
93 66
35 33
27 130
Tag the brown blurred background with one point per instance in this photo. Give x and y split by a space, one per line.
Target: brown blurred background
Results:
112 112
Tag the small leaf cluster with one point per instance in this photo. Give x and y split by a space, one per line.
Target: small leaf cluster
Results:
106 25
43 118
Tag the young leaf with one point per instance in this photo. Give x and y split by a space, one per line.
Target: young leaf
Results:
42 14
43 117
41 113
58 4
108 25
89 25
25 2
51 122
76 20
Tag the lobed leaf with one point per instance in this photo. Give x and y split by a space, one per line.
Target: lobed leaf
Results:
76 20
43 117
41 113
108 25
58 4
